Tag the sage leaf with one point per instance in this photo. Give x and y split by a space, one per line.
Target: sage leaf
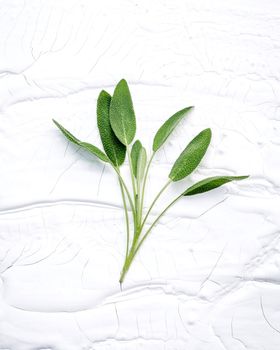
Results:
85 145
141 164
122 117
114 149
135 150
166 129
210 183
189 159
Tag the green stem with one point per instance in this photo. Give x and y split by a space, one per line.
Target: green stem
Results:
127 263
144 182
131 172
154 201
138 205
133 209
153 224
126 218
126 189
135 217
134 248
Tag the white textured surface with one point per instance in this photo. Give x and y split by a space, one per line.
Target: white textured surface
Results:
209 275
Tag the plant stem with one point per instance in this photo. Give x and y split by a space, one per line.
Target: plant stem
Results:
126 189
144 182
135 195
136 220
135 250
154 202
137 217
138 204
131 173
126 218
127 262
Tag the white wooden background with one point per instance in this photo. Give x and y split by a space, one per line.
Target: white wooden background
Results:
209 275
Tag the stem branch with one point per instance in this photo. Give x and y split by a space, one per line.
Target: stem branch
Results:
144 182
154 223
126 218
126 189
154 201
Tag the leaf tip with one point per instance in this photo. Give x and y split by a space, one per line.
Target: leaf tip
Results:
208 132
187 109
56 122
104 93
243 177
122 82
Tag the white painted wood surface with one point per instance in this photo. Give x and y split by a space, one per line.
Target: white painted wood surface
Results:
208 277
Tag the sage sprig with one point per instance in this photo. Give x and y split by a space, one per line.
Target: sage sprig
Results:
117 128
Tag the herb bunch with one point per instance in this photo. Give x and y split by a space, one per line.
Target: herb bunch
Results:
117 127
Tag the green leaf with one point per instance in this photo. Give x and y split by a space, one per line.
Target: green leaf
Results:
210 183
85 145
141 164
134 156
122 117
189 159
114 149
166 129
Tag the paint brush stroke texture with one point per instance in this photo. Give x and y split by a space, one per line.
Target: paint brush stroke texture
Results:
209 276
